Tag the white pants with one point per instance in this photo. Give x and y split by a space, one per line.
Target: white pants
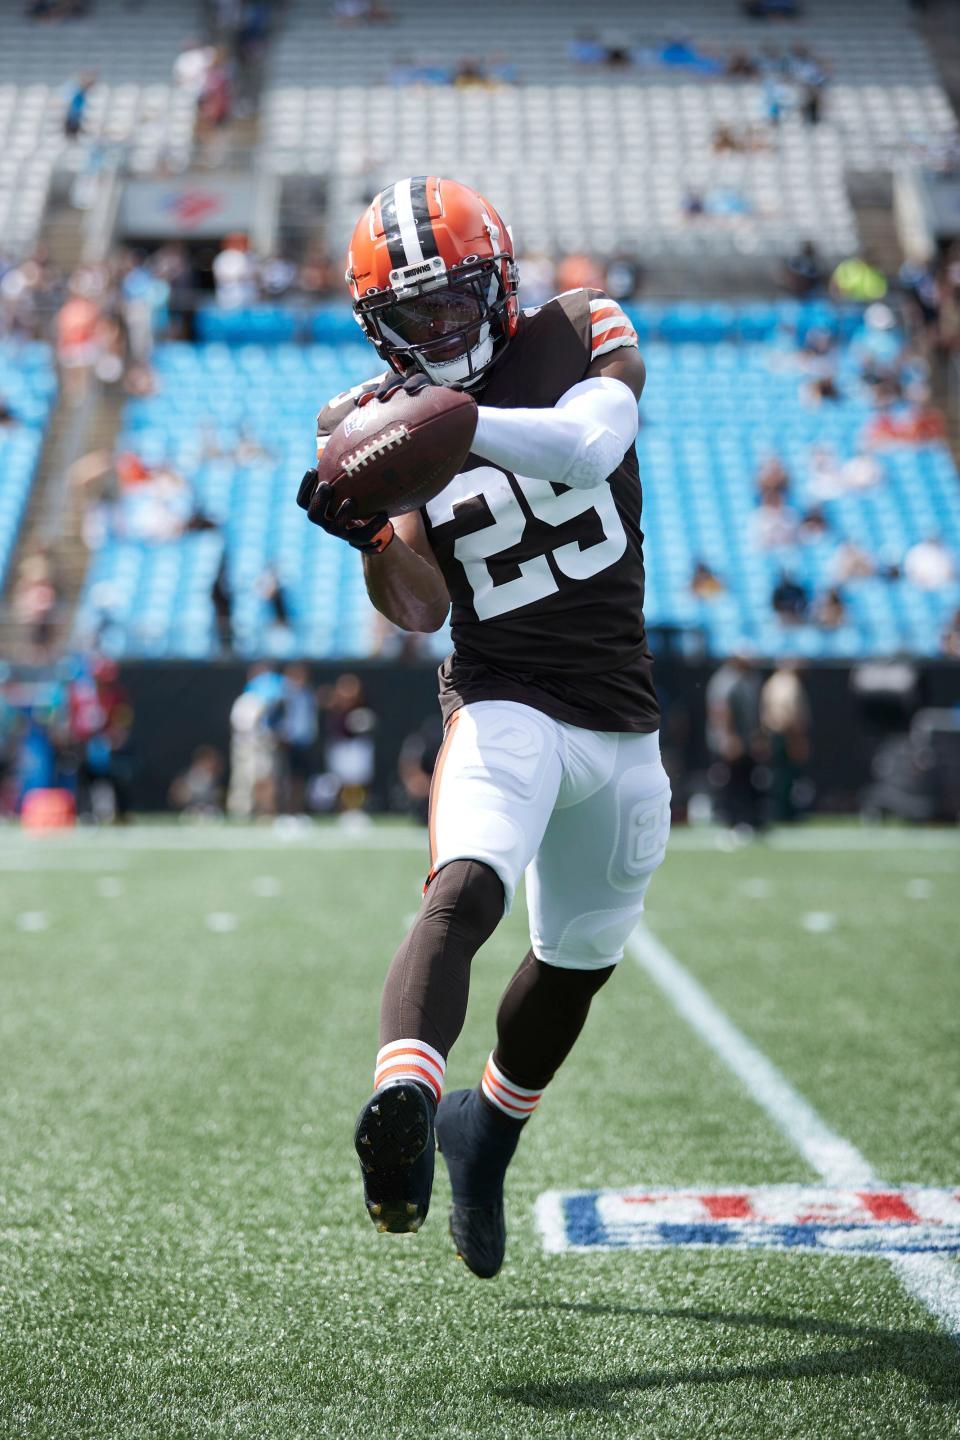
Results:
586 813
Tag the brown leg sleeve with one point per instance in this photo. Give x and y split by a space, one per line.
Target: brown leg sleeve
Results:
425 994
541 1014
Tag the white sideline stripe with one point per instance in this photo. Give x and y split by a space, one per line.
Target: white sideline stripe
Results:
934 1280
27 852
835 1159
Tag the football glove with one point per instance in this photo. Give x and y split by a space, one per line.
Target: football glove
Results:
391 383
369 534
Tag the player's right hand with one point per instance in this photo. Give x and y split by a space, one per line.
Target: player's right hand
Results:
412 384
369 534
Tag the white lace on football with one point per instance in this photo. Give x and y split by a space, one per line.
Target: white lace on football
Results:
373 449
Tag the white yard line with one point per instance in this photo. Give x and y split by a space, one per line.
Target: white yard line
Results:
934 1280
17 850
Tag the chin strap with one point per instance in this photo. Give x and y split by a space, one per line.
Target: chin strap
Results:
580 442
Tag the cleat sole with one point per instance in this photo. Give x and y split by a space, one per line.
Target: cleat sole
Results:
391 1136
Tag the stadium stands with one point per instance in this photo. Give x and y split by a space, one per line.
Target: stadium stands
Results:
312 48
605 158
133 104
27 384
724 391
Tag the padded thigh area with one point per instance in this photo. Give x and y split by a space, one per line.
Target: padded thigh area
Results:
586 887
497 789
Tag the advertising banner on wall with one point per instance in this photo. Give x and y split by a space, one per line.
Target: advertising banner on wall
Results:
204 207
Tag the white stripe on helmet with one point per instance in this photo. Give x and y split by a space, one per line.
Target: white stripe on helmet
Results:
408 226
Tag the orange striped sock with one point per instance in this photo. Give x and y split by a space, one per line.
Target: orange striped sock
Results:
512 1099
405 1060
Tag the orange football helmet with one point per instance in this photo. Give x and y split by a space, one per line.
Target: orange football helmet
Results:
433 279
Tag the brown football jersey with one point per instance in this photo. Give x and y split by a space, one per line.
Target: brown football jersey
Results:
546 582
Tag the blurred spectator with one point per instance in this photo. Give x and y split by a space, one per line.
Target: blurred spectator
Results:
624 277
929 565
470 72
772 478
950 640
270 590
191 66
785 718
143 297
829 611
735 741
829 477
101 720
741 66
775 9
876 345
850 562
277 277
811 76
221 597
297 734
318 274
789 600
198 792
349 725
814 527
416 764
53 10
911 425
76 106
35 602
586 48
235 273
360 12
856 279
215 99
727 141
822 389
253 746
774 523
803 273
78 339
576 271
775 99
825 479
861 472
705 583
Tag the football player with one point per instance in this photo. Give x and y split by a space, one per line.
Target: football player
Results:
550 764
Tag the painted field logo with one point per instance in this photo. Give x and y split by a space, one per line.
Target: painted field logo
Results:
775 1217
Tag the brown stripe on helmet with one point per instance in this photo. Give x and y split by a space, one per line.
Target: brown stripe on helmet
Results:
422 217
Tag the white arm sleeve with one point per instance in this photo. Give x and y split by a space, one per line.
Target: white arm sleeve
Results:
580 442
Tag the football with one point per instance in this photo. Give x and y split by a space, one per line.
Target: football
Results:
395 455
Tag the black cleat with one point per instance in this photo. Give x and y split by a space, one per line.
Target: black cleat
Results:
477 1144
395 1144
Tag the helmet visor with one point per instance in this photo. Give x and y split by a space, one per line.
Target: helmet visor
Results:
435 315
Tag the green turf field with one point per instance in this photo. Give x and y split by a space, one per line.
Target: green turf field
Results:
186 1034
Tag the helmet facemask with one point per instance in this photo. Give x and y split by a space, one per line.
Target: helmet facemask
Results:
452 324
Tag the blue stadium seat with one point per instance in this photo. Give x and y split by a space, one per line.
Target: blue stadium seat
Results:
28 385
